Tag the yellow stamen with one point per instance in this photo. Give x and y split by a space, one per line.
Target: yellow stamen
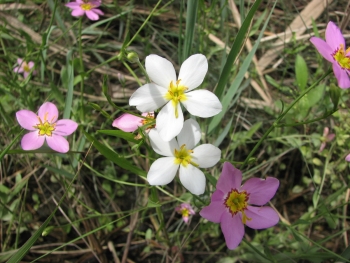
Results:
45 127
183 157
176 93
237 202
87 6
341 57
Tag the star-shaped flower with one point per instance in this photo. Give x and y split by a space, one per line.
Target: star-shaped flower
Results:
88 7
172 92
234 206
45 127
182 153
333 49
24 67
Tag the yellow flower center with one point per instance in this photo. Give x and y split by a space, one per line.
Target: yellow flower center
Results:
45 127
183 156
185 212
176 93
340 56
87 6
25 66
237 202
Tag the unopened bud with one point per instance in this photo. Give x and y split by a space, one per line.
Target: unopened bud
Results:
132 57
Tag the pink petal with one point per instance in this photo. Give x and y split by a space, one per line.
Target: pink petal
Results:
65 127
18 69
92 15
213 211
19 61
323 48
57 143
32 141
334 37
97 11
233 229
218 196
261 217
342 76
25 74
229 179
78 12
185 219
48 110
347 158
31 64
127 122
27 119
330 137
323 145
260 191
73 5
95 3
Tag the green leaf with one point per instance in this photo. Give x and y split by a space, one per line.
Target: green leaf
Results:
235 49
301 72
124 135
113 156
191 17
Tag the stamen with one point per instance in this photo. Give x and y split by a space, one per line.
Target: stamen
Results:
176 94
237 202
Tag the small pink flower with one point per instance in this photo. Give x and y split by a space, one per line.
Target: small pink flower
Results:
333 49
45 126
185 210
24 67
88 7
129 123
231 204
347 158
326 137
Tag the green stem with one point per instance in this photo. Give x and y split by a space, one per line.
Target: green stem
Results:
276 122
132 73
143 71
144 23
81 67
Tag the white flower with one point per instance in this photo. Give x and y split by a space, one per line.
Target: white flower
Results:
169 91
179 153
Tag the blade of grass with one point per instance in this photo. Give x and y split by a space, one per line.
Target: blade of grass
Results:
191 17
235 50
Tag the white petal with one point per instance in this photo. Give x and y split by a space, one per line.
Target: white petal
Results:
202 103
162 171
149 97
206 155
192 179
190 134
193 70
168 126
160 70
160 146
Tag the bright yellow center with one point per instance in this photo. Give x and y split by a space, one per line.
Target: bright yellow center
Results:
185 212
87 6
340 56
183 156
25 67
176 93
237 202
45 127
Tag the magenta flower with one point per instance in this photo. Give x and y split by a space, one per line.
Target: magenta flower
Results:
88 7
231 204
326 137
129 123
45 126
333 49
185 210
24 67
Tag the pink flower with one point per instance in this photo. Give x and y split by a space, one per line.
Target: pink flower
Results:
185 210
129 123
45 126
326 137
24 67
231 204
88 7
347 158
333 49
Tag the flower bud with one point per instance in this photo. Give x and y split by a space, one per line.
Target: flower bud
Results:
132 57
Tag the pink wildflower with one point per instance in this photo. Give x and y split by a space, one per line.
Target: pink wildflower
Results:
129 123
88 7
326 137
333 49
45 126
231 204
24 67
185 210
347 158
